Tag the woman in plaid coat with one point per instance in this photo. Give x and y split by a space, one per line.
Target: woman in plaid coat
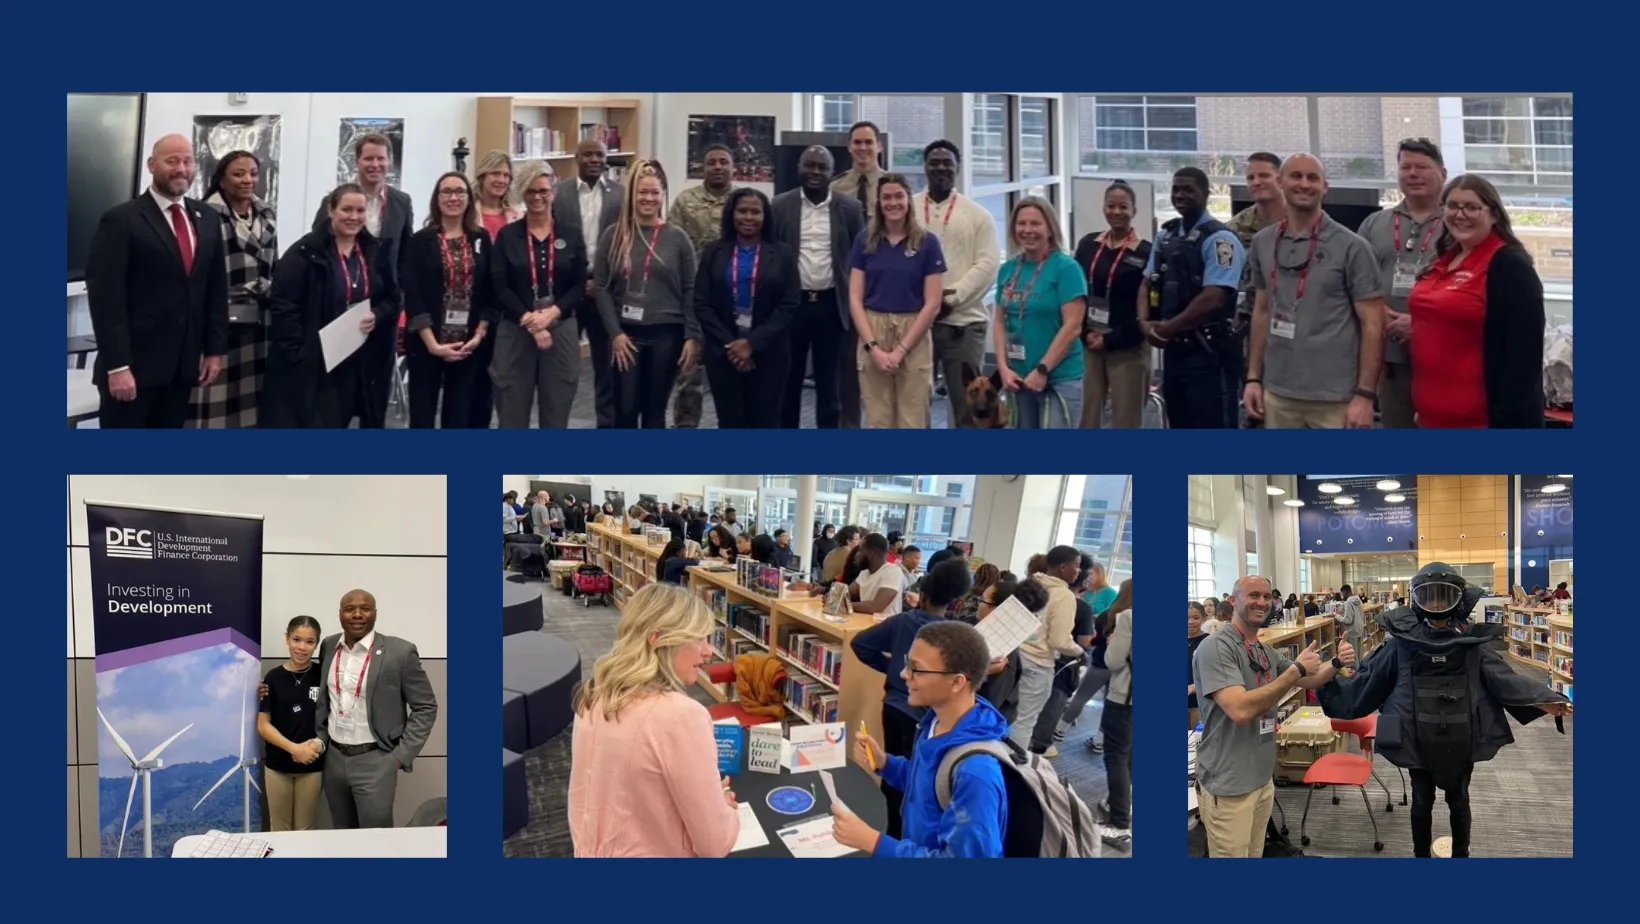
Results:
251 244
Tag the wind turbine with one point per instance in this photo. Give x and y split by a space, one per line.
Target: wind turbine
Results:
245 763
140 768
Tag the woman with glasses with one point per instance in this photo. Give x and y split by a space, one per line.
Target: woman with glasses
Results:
448 306
1115 357
1477 320
1041 300
539 272
251 242
746 296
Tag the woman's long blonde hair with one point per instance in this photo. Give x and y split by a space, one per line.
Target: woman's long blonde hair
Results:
637 667
492 161
626 224
914 232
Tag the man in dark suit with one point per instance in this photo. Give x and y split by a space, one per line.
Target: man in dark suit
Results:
157 281
592 204
376 709
821 227
388 215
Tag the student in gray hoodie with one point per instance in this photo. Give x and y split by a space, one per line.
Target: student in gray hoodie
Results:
1352 620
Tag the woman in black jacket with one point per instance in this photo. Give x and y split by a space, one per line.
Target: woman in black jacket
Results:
1115 357
315 282
746 295
447 298
540 273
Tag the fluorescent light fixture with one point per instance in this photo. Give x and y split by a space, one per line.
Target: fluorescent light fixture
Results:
1344 501
1395 498
1273 491
1563 476
1388 484
1327 487
1554 488
1293 503
298 477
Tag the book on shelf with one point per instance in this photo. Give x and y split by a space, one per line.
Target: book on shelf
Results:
751 620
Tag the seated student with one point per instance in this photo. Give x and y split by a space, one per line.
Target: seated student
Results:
678 556
643 763
884 647
1001 687
761 548
910 560
945 664
879 590
783 555
720 545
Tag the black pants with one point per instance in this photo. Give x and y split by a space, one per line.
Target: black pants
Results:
1424 785
376 360
1117 724
156 407
429 376
748 400
481 404
1202 389
899 737
817 330
603 373
644 390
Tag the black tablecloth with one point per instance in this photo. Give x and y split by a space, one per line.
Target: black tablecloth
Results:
854 786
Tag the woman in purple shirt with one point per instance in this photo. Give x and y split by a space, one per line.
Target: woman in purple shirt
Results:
894 296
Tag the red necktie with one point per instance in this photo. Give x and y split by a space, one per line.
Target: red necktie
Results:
179 224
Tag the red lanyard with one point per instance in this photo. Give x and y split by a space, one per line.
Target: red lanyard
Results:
1423 245
1115 262
552 263
452 280
347 277
734 275
949 208
1018 268
357 688
649 254
1304 273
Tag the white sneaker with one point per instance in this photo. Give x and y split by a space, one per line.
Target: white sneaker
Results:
1051 752
1120 838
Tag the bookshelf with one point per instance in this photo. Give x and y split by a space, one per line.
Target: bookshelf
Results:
1295 638
1372 631
1541 636
630 560
547 130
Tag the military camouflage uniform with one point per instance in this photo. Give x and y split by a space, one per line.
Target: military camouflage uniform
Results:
1244 224
699 214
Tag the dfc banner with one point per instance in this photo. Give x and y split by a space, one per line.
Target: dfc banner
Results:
178 623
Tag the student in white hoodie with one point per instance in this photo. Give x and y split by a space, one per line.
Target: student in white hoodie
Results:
1053 637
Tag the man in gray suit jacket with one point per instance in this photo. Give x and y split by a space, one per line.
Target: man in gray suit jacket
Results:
376 709
821 227
592 204
389 217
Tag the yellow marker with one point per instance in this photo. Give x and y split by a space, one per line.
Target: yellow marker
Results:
871 759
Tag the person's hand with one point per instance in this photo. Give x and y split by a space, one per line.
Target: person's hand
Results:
531 321
1094 341
261 692
543 339
690 356
884 360
1158 333
622 352
1556 708
1309 660
1036 381
913 600
209 368
740 352
122 385
472 344
1359 414
729 795
1346 653
367 323
868 753
449 352
847 829
1252 398
998 665
1010 381
1399 327
588 288
305 753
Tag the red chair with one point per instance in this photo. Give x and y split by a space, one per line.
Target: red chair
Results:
1366 748
724 672
1344 770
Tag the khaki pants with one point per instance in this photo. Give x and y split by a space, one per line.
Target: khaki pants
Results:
1235 824
898 401
293 798
1125 377
1297 414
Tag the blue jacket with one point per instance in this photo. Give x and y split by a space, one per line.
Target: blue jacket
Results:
675 567
978 817
884 648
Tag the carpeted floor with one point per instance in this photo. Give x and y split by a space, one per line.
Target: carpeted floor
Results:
592 631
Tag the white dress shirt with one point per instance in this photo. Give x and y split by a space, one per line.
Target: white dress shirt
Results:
374 208
165 204
344 673
814 245
592 211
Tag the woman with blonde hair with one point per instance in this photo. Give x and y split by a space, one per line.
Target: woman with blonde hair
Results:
493 183
1041 297
643 767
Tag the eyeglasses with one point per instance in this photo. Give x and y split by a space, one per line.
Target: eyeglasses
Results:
1470 209
919 672
452 194
537 193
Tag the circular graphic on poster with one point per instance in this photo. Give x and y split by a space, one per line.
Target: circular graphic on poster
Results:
789 800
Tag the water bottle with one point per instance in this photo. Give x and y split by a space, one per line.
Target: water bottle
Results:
1196 736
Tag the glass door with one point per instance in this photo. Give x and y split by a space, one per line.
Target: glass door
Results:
928 521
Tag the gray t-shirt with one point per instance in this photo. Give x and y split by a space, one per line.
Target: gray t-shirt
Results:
627 299
1318 361
1234 760
1399 266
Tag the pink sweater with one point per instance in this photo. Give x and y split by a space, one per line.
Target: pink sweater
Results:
646 785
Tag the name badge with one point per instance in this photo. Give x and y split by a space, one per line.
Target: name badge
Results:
1283 324
1266 727
632 313
1099 314
1405 278
743 321
341 725
543 303
456 317
1016 352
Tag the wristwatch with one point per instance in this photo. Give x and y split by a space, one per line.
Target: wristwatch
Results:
1302 673
1338 664
1366 393
1042 369
869 345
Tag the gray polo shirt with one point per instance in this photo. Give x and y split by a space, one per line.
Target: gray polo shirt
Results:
1399 266
1317 363
1233 760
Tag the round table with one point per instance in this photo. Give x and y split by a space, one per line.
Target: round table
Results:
855 787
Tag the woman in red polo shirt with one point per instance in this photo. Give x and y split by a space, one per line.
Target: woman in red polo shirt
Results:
1477 320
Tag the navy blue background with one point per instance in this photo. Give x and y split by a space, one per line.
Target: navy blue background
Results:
422 47
1324 528
1550 514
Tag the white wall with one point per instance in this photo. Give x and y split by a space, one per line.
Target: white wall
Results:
323 536
1014 520
672 112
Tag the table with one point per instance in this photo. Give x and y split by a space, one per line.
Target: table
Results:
400 843
81 347
854 786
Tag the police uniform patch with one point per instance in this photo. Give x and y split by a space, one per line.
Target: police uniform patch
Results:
1224 252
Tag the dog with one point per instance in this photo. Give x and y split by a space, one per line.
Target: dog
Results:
986 410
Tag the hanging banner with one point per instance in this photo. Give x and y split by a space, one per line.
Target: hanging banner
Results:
177 598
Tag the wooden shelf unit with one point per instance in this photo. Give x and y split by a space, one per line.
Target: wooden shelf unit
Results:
1547 642
1318 629
566 121
1372 632
629 559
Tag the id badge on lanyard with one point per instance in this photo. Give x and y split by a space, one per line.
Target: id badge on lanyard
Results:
1099 305
341 719
632 306
1406 276
456 313
1099 314
1266 726
1407 259
1283 313
1283 317
743 318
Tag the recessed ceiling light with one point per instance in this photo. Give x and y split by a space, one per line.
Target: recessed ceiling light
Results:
1293 503
1327 487
1388 484
1563 476
1395 498
1273 491
1344 501
1553 488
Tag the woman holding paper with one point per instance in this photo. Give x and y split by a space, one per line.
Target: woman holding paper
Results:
643 767
340 269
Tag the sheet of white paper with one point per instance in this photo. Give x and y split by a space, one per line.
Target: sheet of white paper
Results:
831 790
1008 626
342 338
751 832
813 840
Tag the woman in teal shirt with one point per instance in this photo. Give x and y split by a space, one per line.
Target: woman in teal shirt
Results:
1040 298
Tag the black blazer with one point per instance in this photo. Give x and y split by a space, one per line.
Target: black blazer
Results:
145 312
424 284
305 297
773 308
510 271
397 228
1513 335
566 206
848 219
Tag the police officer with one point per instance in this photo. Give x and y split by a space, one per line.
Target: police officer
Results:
699 212
1188 299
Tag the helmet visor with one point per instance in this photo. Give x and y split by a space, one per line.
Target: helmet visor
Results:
1437 597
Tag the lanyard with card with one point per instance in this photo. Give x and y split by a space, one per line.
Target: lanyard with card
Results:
1408 262
633 304
357 290
743 312
1099 305
458 274
343 718
551 245
1011 294
1260 663
1284 315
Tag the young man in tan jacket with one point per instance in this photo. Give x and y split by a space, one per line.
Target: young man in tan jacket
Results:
1052 638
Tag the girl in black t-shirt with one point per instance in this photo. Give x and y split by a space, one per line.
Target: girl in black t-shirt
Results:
293 756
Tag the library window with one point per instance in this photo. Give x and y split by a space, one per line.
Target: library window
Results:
1201 564
1096 516
1129 131
1519 140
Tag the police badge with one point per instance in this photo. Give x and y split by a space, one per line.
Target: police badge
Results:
1224 252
